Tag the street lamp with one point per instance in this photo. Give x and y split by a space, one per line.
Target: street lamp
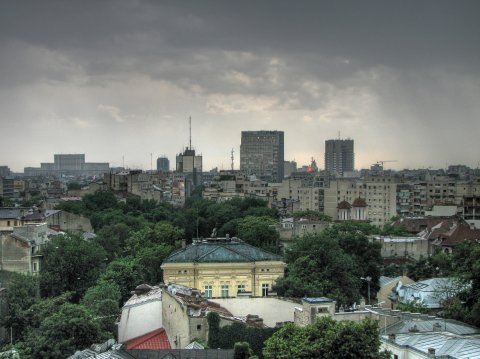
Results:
367 279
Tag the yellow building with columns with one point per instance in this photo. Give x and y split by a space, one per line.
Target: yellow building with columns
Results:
224 267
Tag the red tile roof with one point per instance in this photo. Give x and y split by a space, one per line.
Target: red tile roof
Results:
157 339
344 205
460 233
359 202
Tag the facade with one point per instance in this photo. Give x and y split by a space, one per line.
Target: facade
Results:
339 156
163 164
190 165
378 195
5 171
6 187
68 164
262 154
141 314
20 249
403 247
289 167
223 268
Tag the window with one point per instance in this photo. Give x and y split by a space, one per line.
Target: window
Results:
35 267
224 292
264 290
199 327
208 291
241 288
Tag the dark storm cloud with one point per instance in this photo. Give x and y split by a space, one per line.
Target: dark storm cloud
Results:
387 72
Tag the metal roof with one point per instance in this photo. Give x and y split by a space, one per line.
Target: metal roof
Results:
445 345
455 327
221 252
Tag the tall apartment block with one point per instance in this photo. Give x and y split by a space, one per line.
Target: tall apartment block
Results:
163 164
339 156
262 154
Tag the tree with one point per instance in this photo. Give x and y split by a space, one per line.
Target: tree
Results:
213 320
113 238
61 334
259 232
70 264
103 300
312 215
125 273
161 233
326 339
318 266
150 259
242 350
100 200
21 294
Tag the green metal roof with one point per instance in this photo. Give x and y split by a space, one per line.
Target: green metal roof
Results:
221 252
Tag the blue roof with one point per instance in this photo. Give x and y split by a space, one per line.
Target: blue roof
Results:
221 252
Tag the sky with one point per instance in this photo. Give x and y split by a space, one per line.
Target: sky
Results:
119 79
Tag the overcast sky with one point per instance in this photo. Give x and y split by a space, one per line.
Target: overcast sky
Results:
120 78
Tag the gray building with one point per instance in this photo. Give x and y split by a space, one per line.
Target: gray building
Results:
262 154
68 164
339 156
163 164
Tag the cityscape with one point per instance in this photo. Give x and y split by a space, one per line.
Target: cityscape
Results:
239 180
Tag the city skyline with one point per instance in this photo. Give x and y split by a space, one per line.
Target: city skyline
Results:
118 80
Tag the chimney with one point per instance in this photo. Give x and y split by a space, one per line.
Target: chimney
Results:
184 243
391 337
431 353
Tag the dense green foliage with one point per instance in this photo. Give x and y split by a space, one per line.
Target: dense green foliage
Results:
226 337
331 264
326 339
82 285
70 264
312 215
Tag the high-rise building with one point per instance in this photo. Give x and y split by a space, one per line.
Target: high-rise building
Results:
339 156
163 164
262 154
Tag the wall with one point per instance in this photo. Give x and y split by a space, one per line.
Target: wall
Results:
271 310
69 222
137 320
15 254
181 329
252 275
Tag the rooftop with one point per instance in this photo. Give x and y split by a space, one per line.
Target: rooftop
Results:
221 250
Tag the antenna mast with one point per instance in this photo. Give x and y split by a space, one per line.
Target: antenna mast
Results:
190 127
232 158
